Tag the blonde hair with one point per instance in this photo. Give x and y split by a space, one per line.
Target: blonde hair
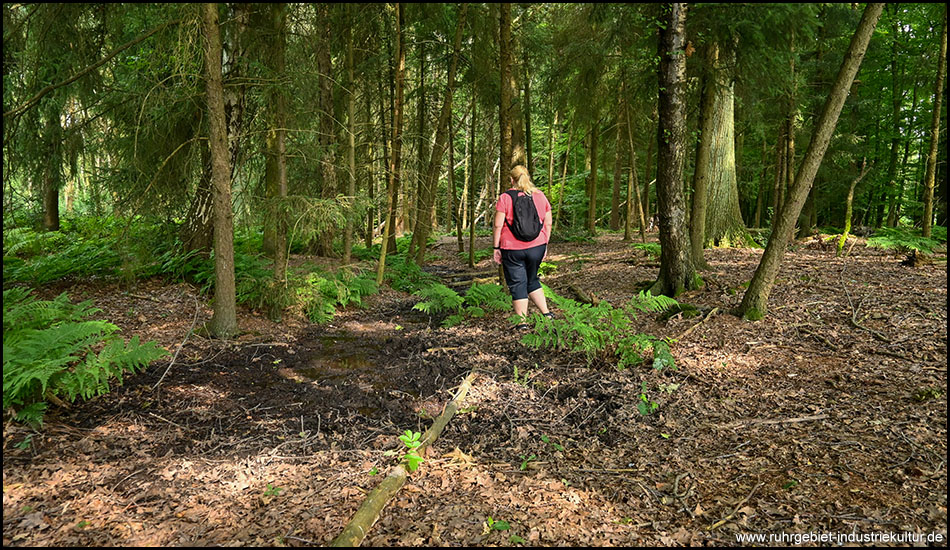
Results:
522 180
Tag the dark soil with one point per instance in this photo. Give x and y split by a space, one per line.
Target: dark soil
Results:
829 416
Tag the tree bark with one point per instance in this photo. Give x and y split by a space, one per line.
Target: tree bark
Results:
351 133
676 266
396 147
703 170
431 176
755 301
592 179
223 323
930 176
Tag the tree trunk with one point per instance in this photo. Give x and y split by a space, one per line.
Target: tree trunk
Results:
351 133
930 177
223 323
329 186
431 176
755 301
277 143
592 179
396 148
848 208
618 155
708 129
633 187
676 265
724 224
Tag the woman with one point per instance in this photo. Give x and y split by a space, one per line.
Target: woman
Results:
521 259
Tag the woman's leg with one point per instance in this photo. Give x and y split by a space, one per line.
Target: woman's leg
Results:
539 300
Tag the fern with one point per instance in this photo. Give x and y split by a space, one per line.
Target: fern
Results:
601 331
49 349
906 239
438 298
491 297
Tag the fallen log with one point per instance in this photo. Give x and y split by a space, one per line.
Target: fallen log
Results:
368 514
590 298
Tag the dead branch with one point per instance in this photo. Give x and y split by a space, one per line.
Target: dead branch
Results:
364 518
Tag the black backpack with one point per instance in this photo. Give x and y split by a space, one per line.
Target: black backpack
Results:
526 224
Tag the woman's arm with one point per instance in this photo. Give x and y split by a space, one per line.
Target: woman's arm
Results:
496 237
548 222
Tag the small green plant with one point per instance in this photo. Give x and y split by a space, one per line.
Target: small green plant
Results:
412 440
644 404
497 525
547 268
525 460
272 491
557 446
651 249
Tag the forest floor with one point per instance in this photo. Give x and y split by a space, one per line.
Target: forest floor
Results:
828 416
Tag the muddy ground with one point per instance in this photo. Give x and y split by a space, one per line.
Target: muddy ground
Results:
829 416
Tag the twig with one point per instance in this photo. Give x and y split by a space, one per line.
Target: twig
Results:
692 328
724 520
195 320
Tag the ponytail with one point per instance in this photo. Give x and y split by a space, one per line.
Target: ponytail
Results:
522 180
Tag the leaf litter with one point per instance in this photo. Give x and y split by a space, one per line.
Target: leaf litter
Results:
829 415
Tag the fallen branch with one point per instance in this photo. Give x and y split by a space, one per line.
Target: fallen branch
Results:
364 518
584 296
724 520
692 328
753 422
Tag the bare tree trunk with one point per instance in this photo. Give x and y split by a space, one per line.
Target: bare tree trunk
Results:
397 144
277 143
755 301
592 179
930 177
702 170
618 155
351 132
676 266
633 186
329 186
431 177
223 323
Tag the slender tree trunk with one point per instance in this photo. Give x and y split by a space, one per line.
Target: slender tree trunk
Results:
703 168
592 179
431 176
277 143
329 186
471 171
755 301
896 96
351 133
618 155
506 96
551 143
848 209
648 176
397 145
633 186
676 266
930 176
223 323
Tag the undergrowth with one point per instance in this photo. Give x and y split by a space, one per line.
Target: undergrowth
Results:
53 351
601 332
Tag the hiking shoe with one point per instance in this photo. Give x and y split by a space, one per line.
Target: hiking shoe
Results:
549 315
522 326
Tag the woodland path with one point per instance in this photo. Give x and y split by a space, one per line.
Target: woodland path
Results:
829 415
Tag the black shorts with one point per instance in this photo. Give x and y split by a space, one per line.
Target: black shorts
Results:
521 270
